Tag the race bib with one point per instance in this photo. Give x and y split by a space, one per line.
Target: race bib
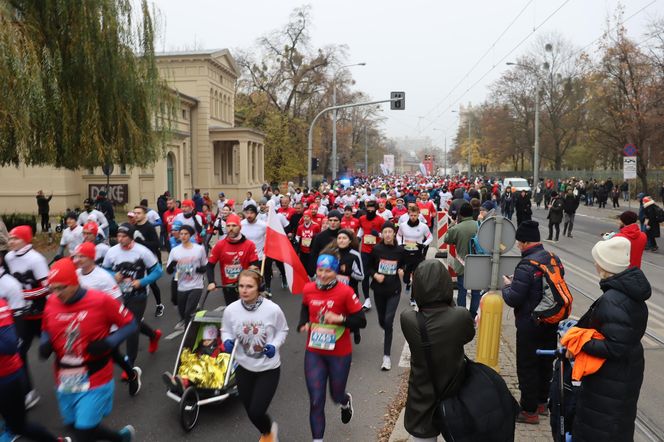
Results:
410 246
323 336
184 272
343 279
125 286
306 242
425 212
73 380
369 239
232 271
387 267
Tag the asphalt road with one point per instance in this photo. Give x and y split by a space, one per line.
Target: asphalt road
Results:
156 417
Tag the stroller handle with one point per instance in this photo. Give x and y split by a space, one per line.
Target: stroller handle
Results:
557 352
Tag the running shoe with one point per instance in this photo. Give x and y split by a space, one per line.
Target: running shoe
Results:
542 409
272 436
135 382
31 399
367 304
159 311
413 303
525 417
59 439
284 284
347 410
387 363
154 342
267 294
128 433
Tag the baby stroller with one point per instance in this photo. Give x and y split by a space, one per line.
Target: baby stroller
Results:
216 388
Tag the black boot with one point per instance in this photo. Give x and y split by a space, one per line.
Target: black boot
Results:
565 229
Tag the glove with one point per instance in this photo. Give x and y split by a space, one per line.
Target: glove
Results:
375 233
228 346
171 267
269 351
201 269
99 347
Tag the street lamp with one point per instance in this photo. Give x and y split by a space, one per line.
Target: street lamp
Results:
334 116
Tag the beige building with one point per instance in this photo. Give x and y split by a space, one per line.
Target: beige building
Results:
206 151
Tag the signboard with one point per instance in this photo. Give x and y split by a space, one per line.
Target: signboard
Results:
629 168
388 161
428 166
478 270
118 194
486 233
629 150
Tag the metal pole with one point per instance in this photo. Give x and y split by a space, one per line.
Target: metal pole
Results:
537 144
469 147
366 153
495 256
334 130
445 158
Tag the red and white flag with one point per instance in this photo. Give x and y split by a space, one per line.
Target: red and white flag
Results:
279 248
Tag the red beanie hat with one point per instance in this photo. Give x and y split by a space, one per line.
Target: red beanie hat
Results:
188 203
233 219
91 227
22 232
86 249
63 272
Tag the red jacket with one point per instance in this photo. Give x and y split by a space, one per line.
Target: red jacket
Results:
638 241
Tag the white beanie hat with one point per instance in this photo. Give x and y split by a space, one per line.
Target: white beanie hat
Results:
210 332
612 255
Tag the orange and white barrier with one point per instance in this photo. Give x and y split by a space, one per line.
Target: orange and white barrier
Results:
442 226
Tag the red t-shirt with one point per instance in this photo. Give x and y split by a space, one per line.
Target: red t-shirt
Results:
340 299
351 223
288 212
428 210
73 326
306 235
168 218
369 240
233 257
9 364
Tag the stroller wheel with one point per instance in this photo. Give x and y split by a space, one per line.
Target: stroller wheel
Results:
189 409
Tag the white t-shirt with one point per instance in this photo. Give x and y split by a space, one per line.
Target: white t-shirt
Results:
72 238
188 259
153 217
255 232
100 218
99 279
253 330
28 266
132 263
11 291
100 251
386 215
249 202
188 221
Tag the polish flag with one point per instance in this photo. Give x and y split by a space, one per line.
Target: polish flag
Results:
278 247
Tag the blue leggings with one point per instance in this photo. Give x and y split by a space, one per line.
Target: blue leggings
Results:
317 369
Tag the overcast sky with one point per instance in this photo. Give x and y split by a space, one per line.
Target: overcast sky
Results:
424 48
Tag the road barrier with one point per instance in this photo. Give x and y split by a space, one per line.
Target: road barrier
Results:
442 226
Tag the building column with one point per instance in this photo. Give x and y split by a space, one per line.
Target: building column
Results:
261 163
243 162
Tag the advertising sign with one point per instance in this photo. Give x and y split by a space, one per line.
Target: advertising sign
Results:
629 168
388 161
118 194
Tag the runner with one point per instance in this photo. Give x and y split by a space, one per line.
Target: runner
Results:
189 217
306 232
329 310
189 263
370 226
91 276
99 216
90 234
234 254
134 268
349 222
72 236
351 271
76 328
29 267
386 265
169 216
258 327
427 209
414 236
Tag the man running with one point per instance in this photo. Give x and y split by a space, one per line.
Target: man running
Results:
91 235
146 234
370 226
99 216
72 236
414 236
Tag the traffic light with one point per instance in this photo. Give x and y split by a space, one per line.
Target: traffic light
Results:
314 163
399 104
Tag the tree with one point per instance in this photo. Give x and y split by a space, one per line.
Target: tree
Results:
73 91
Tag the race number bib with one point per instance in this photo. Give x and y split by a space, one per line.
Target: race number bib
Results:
323 336
343 279
125 286
73 380
369 240
410 246
232 271
387 267
306 242
425 212
184 272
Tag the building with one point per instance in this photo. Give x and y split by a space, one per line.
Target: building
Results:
206 150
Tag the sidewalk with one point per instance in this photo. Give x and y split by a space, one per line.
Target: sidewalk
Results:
507 365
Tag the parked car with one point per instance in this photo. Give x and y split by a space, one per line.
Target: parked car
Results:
517 184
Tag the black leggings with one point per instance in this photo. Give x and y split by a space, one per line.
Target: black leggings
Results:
551 227
256 391
44 222
156 292
230 295
28 329
366 282
12 410
136 305
268 272
187 303
386 306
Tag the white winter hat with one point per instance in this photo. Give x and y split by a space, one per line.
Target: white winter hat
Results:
210 332
612 255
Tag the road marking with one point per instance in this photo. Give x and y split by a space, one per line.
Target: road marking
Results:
404 360
174 335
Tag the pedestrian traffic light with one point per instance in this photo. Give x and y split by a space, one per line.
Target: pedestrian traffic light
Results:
399 104
314 163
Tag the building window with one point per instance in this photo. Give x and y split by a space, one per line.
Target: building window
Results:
221 79
184 114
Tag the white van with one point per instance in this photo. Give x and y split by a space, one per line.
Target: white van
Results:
517 184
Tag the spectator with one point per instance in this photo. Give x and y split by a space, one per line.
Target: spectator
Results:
651 223
570 205
630 229
198 200
43 209
555 216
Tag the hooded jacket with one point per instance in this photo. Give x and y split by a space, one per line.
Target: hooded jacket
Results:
460 235
606 403
638 241
457 202
449 328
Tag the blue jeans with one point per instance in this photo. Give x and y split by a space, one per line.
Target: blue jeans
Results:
461 297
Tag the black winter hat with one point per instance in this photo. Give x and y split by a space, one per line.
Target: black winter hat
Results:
334 214
127 229
528 231
388 225
466 210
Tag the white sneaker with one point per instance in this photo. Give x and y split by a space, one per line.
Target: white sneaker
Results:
179 326
367 304
274 432
413 303
31 399
387 363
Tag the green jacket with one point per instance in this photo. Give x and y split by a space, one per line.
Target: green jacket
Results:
460 235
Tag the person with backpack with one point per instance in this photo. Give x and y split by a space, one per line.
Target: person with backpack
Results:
555 216
523 291
653 216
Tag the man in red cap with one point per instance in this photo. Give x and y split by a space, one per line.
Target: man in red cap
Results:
168 217
189 217
306 232
30 268
91 235
234 253
76 327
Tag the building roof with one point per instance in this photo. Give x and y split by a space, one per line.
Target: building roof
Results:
211 54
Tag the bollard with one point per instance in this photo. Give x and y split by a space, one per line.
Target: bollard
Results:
489 329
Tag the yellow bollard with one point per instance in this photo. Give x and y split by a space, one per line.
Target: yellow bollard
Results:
488 335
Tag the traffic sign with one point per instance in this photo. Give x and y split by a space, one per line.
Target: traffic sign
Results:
629 150
485 235
107 169
629 168
478 270
398 100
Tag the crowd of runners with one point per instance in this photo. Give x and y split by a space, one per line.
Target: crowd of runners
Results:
359 246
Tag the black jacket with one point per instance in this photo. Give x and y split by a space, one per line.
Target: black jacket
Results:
391 283
105 207
555 215
650 213
162 204
42 204
606 403
146 235
570 204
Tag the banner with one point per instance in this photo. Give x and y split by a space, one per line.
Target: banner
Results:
118 194
388 161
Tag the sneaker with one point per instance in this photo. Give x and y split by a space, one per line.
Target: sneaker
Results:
273 436
169 381
527 418
154 342
59 439
135 382
31 399
413 303
542 409
347 410
159 311
179 326
367 304
569 235
387 363
267 294
128 433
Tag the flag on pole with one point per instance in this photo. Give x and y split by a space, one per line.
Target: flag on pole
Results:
279 248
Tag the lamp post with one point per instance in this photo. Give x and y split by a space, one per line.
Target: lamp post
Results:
334 117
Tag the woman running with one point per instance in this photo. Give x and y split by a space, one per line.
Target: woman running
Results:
387 267
329 309
258 327
351 271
